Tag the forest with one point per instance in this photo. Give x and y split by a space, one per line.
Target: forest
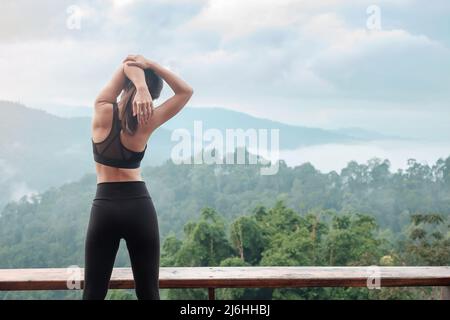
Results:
219 215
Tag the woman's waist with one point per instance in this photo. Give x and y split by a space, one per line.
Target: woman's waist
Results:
121 189
107 173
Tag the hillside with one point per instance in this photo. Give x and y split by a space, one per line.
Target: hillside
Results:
55 220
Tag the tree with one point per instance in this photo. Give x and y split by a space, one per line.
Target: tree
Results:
428 241
248 239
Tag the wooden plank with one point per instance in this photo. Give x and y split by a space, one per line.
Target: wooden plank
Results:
234 277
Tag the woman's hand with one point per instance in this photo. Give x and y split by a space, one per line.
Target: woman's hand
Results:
143 102
142 105
138 61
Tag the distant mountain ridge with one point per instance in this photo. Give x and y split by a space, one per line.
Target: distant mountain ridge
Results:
40 149
221 118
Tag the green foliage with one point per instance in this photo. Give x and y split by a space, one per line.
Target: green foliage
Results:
206 243
279 236
351 241
120 295
248 239
428 241
232 215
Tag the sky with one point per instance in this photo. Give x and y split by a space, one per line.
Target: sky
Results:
317 63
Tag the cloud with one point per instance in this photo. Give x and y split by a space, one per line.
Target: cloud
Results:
19 190
385 64
285 59
397 152
321 57
7 171
235 18
65 71
21 19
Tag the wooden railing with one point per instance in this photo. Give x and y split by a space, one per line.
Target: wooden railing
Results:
239 277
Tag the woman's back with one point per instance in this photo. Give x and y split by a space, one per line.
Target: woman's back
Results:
120 131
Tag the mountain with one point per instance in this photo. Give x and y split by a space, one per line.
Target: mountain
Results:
365 134
291 136
40 149
222 119
64 111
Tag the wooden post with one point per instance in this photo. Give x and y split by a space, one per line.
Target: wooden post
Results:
211 294
445 293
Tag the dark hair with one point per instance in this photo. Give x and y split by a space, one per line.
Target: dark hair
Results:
154 84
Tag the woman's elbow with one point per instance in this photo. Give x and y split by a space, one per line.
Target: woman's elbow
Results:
185 93
189 91
100 100
186 96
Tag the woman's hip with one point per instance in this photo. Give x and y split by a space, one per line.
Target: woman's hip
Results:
125 206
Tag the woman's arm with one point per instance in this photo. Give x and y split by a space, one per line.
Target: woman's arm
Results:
173 105
142 101
107 96
113 88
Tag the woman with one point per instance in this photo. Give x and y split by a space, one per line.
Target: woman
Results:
122 207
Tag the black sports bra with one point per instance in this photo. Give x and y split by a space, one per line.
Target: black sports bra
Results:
112 152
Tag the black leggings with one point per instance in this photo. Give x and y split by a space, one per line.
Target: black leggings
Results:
122 210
